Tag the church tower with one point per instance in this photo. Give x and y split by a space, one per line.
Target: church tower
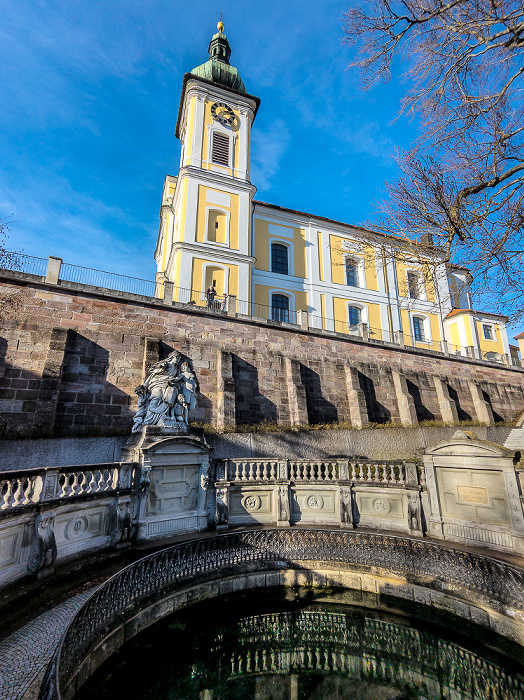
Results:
205 218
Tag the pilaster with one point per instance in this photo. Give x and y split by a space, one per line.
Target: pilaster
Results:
296 393
226 400
358 411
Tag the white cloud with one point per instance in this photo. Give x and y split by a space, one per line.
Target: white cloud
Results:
268 147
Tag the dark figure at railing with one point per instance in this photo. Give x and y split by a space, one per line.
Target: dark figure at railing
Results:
211 293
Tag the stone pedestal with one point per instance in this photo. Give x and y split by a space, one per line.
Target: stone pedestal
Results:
474 493
173 485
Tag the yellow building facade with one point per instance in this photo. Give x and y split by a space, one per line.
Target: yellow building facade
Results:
288 266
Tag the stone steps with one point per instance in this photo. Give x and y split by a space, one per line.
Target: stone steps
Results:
515 440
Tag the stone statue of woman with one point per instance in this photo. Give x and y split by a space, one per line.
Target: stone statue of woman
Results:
158 394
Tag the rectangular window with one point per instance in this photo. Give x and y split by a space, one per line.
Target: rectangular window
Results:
354 315
488 332
418 329
413 285
279 259
352 273
220 148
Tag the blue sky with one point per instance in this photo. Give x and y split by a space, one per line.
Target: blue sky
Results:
90 99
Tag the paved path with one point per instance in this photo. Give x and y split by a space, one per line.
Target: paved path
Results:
24 655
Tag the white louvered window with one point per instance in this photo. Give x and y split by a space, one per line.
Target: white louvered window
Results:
220 148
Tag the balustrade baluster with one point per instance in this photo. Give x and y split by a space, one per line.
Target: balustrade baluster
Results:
376 474
29 491
385 478
401 474
18 493
7 498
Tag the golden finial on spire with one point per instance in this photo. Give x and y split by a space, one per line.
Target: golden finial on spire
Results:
220 25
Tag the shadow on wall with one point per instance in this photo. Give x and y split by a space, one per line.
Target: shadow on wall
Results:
86 399
496 416
377 412
250 405
461 413
423 413
319 409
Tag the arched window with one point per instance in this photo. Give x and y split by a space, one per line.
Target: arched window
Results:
354 315
352 272
279 307
217 228
418 329
279 259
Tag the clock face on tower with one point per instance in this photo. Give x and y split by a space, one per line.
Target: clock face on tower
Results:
223 113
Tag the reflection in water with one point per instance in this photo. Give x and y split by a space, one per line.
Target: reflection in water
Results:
320 652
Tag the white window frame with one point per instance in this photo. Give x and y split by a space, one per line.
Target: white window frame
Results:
493 331
364 313
426 324
214 207
284 293
211 128
421 284
205 268
361 271
290 256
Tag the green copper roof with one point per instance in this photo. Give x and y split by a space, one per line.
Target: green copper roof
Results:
217 68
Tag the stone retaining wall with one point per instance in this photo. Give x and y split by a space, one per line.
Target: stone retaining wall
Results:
383 443
71 358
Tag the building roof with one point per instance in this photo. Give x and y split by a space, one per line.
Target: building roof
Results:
218 69
456 312
342 223
519 336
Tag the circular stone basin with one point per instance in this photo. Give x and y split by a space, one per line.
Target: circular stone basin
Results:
280 645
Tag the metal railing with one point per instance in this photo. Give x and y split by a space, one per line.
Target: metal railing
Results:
160 573
107 280
193 298
19 262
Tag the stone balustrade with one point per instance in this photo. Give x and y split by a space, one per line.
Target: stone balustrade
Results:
55 513
303 470
18 489
335 491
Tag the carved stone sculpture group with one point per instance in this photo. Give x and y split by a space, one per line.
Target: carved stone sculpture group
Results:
168 394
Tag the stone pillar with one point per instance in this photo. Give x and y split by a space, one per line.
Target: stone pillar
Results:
231 305
448 408
482 407
226 400
346 507
296 393
406 406
363 330
399 338
283 509
151 354
302 319
45 409
53 270
444 347
169 289
358 411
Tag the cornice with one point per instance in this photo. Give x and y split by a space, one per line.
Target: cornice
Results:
222 253
217 179
252 101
